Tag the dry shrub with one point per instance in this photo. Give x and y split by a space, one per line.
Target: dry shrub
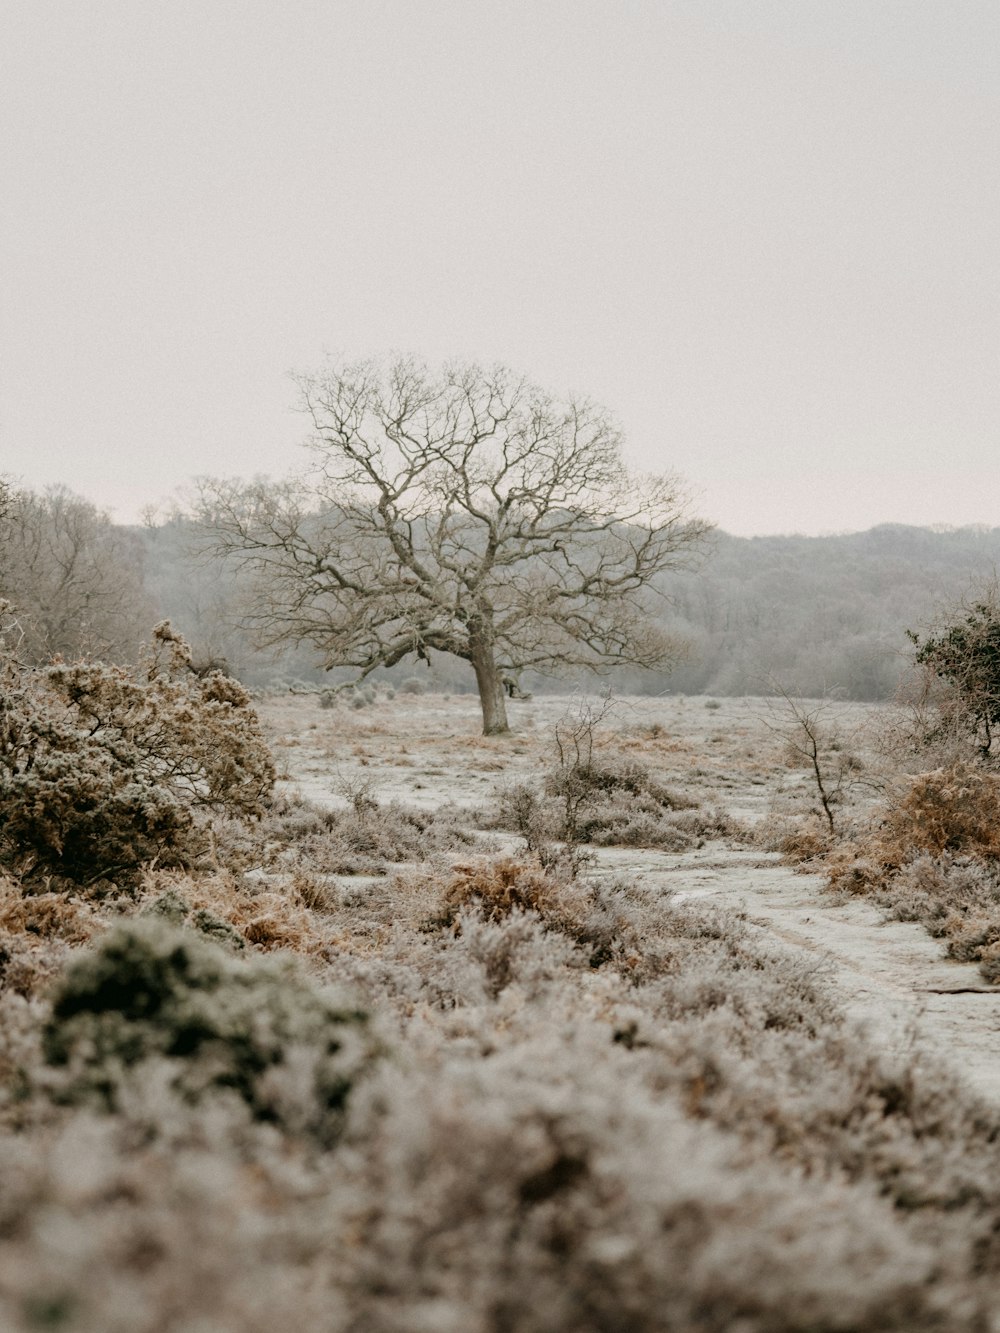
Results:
799 840
599 919
268 912
362 839
953 811
36 932
624 824
494 889
590 797
46 915
102 767
611 803
934 857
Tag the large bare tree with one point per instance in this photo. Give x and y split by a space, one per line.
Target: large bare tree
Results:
465 512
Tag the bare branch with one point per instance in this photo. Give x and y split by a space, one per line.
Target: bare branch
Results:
468 513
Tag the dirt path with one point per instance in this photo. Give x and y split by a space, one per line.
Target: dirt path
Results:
892 976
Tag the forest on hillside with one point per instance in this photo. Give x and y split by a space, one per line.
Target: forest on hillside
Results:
813 616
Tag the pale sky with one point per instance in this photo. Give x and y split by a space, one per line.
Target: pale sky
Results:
765 233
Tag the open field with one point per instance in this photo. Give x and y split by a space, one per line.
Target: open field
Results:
731 753
391 1071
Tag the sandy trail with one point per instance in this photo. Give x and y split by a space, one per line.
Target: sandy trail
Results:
892 976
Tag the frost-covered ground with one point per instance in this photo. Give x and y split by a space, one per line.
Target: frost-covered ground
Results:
364 1066
425 750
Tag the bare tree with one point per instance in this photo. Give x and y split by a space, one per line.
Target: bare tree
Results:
814 738
466 513
73 577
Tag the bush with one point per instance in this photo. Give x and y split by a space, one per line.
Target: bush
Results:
934 857
951 811
103 767
609 804
495 889
151 990
964 655
954 810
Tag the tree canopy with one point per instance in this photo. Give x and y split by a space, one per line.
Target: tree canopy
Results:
466 512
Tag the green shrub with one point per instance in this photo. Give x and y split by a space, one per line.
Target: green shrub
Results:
963 653
152 990
171 906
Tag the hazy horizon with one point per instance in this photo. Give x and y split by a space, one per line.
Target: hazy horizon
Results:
763 235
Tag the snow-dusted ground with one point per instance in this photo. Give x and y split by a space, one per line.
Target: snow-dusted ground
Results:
426 750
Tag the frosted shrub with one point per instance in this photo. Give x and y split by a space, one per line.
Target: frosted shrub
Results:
607 804
151 990
933 856
954 809
497 888
361 839
104 767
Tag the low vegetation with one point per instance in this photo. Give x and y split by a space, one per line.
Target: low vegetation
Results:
377 1067
928 849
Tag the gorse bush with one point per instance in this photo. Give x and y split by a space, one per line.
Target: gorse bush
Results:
964 655
151 990
104 767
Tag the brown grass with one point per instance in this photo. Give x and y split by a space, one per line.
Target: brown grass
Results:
498 887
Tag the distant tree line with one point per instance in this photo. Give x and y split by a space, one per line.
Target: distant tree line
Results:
813 615
820 615
74 580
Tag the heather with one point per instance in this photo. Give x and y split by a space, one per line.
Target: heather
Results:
453 1063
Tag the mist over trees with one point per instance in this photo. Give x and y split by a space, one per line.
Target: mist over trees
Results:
820 615
817 615
75 580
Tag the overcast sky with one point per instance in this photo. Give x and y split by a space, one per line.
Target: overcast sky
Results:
763 232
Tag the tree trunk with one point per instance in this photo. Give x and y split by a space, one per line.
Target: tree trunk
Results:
491 691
